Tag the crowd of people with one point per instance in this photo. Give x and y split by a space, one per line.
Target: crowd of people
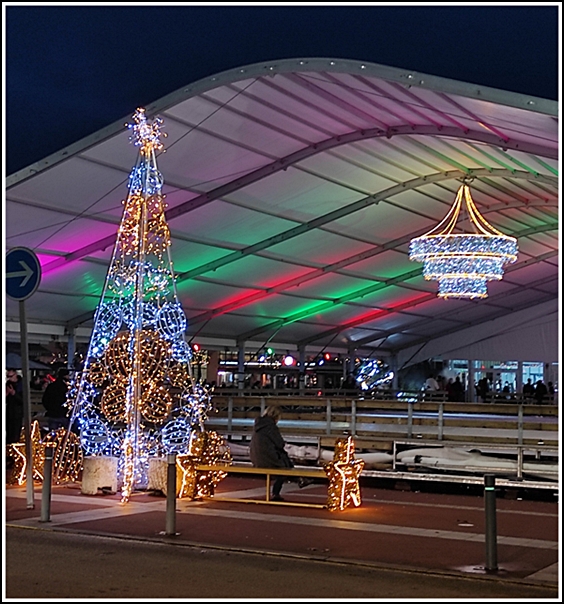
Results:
454 387
54 393
538 392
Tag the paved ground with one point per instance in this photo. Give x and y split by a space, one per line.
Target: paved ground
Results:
398 544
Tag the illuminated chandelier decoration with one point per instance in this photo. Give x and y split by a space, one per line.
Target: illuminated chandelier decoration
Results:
136 397
464 262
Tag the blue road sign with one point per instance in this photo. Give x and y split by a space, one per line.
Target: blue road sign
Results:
23 273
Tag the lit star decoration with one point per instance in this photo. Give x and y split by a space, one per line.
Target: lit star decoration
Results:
136 397
207 448
343 473
463 263
17 452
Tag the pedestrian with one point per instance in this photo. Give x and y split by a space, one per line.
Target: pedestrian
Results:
458 390
451 394
17 380
14 414
349 383
551 391
541 391
267 449
54 398
431 383
528 390
483 388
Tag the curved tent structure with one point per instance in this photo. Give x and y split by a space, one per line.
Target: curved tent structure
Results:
294 189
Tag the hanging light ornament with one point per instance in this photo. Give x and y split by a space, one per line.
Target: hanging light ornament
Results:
464 262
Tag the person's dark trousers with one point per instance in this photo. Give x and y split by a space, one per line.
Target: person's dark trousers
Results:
277 485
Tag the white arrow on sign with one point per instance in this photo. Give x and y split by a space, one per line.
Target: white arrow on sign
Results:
27 273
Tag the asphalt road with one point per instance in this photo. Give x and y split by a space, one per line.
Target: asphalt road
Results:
53 564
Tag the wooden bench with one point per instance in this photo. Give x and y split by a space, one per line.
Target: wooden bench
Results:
268 472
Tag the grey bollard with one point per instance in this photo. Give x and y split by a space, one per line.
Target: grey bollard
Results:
171 495
491 528
47 481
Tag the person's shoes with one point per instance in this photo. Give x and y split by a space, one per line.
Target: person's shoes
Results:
304 482
277 498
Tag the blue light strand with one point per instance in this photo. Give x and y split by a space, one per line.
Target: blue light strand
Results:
463 263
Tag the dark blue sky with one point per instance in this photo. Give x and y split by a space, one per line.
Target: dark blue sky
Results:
71 70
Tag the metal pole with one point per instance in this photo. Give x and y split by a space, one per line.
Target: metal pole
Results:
441 421
491 528
27 408
520 424
229 415
409 419
520 463
171 495
47 481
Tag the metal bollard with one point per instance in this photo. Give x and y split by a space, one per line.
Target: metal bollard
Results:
491 528
171 496
47 481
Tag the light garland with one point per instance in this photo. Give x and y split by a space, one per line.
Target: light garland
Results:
463 263
207 448
374 373
136 397
67 455
17 474
343 474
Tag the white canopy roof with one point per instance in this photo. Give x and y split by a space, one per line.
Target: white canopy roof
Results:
294 189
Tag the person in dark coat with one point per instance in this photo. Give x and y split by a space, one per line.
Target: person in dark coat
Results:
17 381
541 392
528 390
14 414
267 447
54 398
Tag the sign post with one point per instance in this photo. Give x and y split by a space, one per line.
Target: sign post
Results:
23 274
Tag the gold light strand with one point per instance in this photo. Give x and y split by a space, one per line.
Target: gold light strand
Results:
343 473
17 452
67 456
208 448
463 263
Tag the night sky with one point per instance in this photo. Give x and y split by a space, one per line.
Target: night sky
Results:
72 70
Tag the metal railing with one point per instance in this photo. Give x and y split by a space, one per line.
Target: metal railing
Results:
386 418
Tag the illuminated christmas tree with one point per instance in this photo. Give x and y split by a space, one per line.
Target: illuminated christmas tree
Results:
136 397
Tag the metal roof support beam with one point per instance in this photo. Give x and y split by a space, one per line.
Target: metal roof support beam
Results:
340 213
317 273
293 158
371 289
446 316
502 313
336 266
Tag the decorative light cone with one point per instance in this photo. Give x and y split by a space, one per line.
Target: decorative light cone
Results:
136 397
463 263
